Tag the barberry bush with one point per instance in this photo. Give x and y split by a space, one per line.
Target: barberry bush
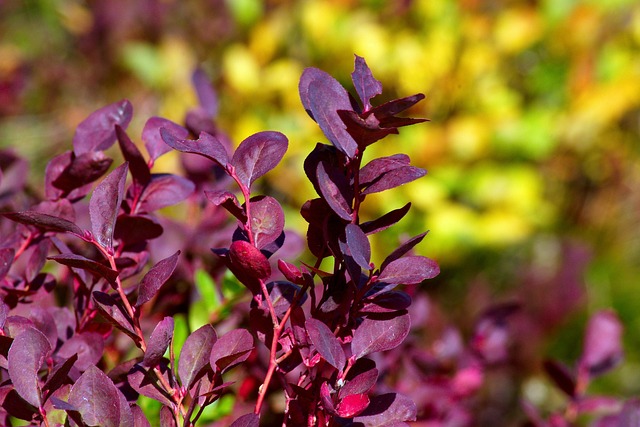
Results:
103 301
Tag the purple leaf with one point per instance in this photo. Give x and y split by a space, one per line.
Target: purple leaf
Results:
602 348
389 109
232 348
89 347
267 220
136 228
44 221
248 264
158 342
151 135
115 313
323 96
164 190
395 178
60 375
105 203
378 167
97 399
155 278
137 165
361 383
364 82
206 95
167 418
78 261
379 335
97 132
334 189
146 382
195 354
561 376
206 145
6 259
352 405
326 343
139 418
28 351
81 170
409 270
387 302
401 250
385 221
388 409
228 201
326 398
359 246
247 420
257 155
4 312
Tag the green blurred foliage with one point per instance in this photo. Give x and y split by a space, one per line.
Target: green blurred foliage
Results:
534 108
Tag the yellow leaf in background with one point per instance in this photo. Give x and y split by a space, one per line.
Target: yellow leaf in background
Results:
468 136
241 70
500 227
517 29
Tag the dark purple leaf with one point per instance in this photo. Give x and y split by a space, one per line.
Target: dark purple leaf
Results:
267 220
158 342
89 347
322 96
352 405
195 354
326 343
387 410
395 178
401 250
167 418
115 313
137 164
4 313
15 325
206 145
155 278
385 221
602 348
365 131
136 228
379 335
152 137
389 109
45 323
257 155
364 82
387 302
147 384
373 170
44 221
97 132
409 270
14 405
282 294
290 271
105 203
248 264
206 94
327 399
164 190
561 376
232 348
26 355
139 418
97 399
82 170
361 383
60 375
228 201
335 189
78 261
247 420
359 246
6 259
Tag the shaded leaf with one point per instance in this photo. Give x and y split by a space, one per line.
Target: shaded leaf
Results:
6 259
26 355
359 246
232 348
137 164
401 250
82 170
146 383
206 145
97 132
379 335
387 302
326 343
158 342
78 261
155 278
387 410
43 221
409 270
385 221
227 200
364 82
206 94
195 354
105 203
395 178
152 137
60 375
386 111
335 190
247 420
164 190
257 155
89 347
136 228
115 313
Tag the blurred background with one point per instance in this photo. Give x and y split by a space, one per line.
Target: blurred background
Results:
533 148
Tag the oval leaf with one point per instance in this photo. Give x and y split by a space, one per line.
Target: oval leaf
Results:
326 343
352 405
387 410
164 190
257 155
105 203
247 420
333 188
379 335
195 354
602 348
158 342
206 145
152 137
78 261
25 357
358 244
267 220
96 398
231 349
364 82
44 221
155 278
409 270
97 132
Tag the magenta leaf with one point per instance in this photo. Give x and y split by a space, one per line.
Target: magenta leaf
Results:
388 409
409 270
153 141
602 349
195 354
44 221
137 165
164 190
206 94
257 155
379 335
326 343
104 205
335 190
247 420
385 221
158 342
99 401
155 278
326 397
78 261
359 384
364 82
206 145
267 220
97 132
232 348
352 405
26 355
358 244
401 250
